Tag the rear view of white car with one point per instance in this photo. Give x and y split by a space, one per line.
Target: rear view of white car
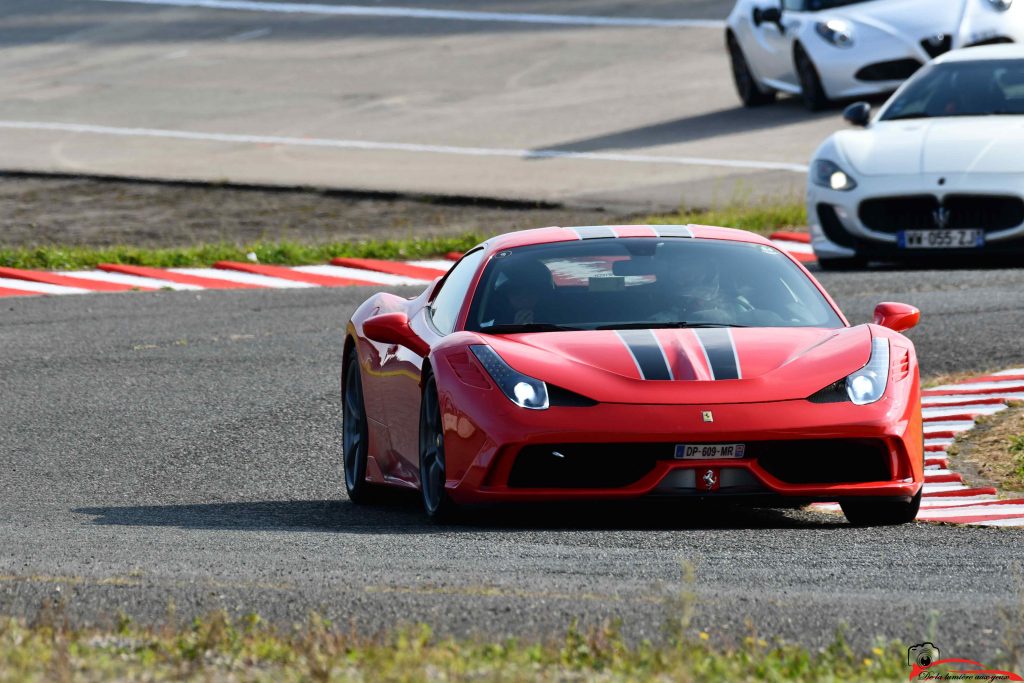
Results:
938 172
826 50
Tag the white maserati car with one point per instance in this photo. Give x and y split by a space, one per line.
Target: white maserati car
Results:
839 49
938 171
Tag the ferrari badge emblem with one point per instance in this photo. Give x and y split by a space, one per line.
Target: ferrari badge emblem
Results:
708 417
710 480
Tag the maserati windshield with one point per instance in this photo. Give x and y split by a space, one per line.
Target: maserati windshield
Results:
982 88
630 283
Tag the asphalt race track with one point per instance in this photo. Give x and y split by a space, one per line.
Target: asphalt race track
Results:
314 99
182 447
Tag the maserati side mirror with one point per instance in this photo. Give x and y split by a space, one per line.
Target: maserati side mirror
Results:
858 114
393 328
897 317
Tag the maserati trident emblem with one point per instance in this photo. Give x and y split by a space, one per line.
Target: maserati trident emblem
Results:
941 216
707 416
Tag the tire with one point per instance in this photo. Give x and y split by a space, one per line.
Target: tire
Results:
436 502
868 512
811 89
355 434
838 264
746 85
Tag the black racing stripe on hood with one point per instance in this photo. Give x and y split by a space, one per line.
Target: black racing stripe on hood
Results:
647 353
592 232
720 350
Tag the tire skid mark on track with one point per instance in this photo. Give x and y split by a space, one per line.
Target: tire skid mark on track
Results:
946 498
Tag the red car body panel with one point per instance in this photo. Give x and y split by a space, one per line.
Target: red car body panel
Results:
484 431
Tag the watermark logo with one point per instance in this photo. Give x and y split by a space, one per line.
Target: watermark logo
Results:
926 664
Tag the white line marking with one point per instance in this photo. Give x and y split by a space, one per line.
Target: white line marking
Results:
450 15
975 511
1011 384
1011 371
793 247
359 274
951 426
955 501
41 287
945 398
246 278
525 154
1005 522
133 280
431 263
248 35
979 409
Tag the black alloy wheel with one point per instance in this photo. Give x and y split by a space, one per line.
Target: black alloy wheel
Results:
746 85
868 512
354 433
811 89
436 502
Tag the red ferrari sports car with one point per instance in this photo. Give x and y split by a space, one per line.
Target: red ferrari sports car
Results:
611 362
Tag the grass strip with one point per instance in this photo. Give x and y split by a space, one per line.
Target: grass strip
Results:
286 253
216 648
762 219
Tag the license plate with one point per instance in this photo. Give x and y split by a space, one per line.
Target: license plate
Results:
710 451
942 239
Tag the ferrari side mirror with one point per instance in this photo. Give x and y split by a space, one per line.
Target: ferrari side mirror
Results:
897 317
393 328
858 114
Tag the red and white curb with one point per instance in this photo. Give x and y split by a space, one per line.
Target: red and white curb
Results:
950 410
340 272
110 277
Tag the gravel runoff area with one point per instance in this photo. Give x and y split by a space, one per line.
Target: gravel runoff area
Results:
78 211
185 447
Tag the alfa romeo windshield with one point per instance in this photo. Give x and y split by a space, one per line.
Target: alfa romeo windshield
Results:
645 283
982 88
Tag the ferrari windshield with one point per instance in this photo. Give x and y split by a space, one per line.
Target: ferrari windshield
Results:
982 88
645 283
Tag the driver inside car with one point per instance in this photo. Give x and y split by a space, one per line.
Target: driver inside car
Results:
692 292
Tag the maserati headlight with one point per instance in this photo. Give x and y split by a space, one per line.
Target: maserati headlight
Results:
524 391
868 384
825 173
865 386
838 33
1000 5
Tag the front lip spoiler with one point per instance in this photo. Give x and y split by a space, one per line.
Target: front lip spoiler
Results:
649 486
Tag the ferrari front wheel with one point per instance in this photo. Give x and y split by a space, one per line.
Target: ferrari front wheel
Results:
354 433
868 512
436 502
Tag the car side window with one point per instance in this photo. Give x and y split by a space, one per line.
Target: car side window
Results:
444 310
793 5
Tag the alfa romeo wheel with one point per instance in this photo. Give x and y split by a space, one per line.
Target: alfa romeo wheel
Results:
811 89
354 437
436 502
746 85
867 512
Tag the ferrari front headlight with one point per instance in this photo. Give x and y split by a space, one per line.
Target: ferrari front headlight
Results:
836 32
868 384
523 390
825 173
1000 5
